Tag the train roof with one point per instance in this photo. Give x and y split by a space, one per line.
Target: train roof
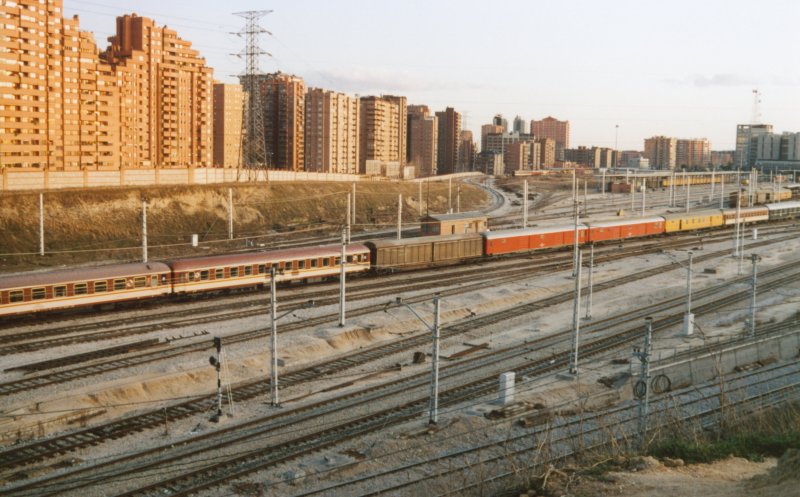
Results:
264 257
695 213
756 208
63 276
492 235
624 222
457 216
421 240
783 205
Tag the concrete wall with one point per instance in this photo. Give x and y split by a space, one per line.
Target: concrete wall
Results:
706 367
36 179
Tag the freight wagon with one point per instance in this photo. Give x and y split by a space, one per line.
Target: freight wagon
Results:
628 228
424 251
508 241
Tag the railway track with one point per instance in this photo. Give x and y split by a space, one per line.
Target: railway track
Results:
65 375
462 393
112 329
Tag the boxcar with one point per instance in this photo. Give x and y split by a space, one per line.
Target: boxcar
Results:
628 228
222 272
62 289
702 219
783 210
520 240
423 251
746 215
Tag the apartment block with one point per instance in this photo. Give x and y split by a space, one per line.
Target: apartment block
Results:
383 132
331 132
466 152
552 128
145 101
486 130
547 154
517 156
694 152
228 107
283 105
166 101
449 140
584 156
661 152
423 140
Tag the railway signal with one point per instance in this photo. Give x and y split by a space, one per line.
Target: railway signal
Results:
216 362
641 388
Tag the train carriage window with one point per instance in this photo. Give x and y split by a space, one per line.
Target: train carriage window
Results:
349 259
219 274
262 268
100 286
337 261
82 288
326 261
37 294
301 265
234 272
163 279
118 284
248 270
16 296
140 281
59 291
204 275
314 262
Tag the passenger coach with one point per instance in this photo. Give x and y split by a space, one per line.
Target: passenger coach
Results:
225 272
91 286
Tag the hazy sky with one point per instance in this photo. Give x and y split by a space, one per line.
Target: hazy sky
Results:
683 68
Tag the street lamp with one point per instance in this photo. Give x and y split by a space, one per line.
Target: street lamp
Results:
433 411
274 336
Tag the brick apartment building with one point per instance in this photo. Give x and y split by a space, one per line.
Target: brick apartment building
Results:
331 130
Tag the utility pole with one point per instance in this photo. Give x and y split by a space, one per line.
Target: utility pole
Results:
644 192
347 218
144 230
738 220
672 190
400 216
688 318
741 250
525 205
450 195
419 199
273 305
576 322
753 297
585 198
722 191
353 222
591 272
575 254
641 390
230 213
216 362
342 279
574 186
713 170
633 193
41 225
688 196
433 415
603 184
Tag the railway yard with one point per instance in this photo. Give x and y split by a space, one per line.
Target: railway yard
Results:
123 402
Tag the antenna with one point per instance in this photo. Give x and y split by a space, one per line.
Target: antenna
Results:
254 151
756 118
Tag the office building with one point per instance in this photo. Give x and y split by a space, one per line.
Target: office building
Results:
744 157
520 125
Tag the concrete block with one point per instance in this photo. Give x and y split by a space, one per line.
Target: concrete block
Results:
506 388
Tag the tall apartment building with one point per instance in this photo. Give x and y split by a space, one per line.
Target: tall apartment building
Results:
486 130
499 120
331 132
449 139
283 99
547 149
744 157
552 128
228 107
520 125
694 152
59 108
517 156
466 152
661 152
584 156
423 140
166 101
383 132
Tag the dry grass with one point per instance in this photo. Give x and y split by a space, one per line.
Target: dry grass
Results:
99 220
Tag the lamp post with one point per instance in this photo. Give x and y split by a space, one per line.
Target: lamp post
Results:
433 411
274 335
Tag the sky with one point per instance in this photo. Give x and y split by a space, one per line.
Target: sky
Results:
678 68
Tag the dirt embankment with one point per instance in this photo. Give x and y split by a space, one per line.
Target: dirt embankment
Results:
105 224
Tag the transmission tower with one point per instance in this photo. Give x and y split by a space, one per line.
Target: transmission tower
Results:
756 118
254 151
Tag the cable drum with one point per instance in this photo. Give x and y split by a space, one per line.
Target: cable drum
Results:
639 389
661 384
